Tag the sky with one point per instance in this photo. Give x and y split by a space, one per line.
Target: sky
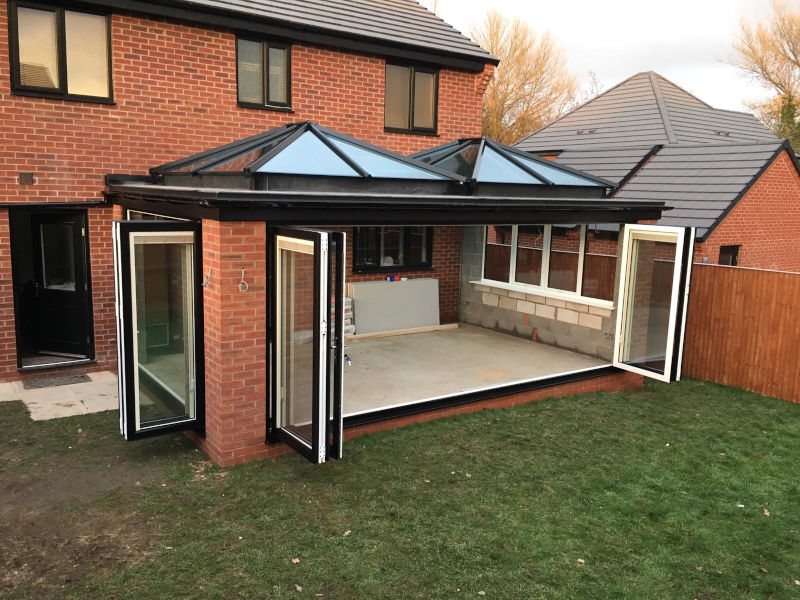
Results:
687 41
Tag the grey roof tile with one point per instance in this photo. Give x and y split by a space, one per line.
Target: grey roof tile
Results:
645 109
403 22
699 183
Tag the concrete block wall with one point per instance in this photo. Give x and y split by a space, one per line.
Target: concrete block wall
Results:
570 325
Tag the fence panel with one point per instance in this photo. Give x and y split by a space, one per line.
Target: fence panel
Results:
743 329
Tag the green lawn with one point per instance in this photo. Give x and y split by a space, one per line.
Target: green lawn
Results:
632 495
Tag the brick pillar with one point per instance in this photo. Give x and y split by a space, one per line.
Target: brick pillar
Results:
235 341
101 260
8 338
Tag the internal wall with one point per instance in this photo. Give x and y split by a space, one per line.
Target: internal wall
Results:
576 326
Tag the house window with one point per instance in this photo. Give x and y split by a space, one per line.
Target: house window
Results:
263 73
577 260
729 255
410 99
392 249
60 53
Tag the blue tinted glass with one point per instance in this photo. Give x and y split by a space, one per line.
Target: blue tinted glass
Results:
431 156
555 174
462 162
307 155
495 168
380 165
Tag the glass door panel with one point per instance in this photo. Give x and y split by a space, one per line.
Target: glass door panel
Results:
159 318
653 294
307 297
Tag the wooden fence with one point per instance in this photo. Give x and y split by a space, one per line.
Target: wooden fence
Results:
743 329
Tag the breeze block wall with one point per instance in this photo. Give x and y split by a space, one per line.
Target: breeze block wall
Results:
570 325
175 94
765 223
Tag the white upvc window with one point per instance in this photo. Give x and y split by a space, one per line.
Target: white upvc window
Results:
559 261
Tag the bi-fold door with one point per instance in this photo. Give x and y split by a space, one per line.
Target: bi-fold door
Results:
306 340
653 298
159 327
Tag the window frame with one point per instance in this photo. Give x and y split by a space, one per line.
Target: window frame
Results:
412 69
61 92
266 44
733 255
359 235
542 289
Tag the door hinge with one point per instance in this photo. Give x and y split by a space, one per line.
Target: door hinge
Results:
83 232
324 328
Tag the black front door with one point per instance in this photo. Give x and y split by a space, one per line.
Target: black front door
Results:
51 277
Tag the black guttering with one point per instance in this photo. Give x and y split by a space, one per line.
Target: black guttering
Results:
321 208
300 33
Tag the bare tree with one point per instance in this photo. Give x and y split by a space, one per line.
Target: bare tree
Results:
531 86
770 54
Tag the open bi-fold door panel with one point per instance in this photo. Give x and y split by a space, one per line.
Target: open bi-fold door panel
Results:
655 272
159 327
307 292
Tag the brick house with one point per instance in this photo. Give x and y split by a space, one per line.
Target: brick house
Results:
720 171
282 132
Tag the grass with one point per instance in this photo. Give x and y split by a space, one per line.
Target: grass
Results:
629 495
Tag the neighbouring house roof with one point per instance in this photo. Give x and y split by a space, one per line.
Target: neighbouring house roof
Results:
701 183
614 165
482 160
401 28
304 149
644 110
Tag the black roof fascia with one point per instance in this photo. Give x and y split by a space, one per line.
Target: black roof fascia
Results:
784 146
299 33
518 163
362 209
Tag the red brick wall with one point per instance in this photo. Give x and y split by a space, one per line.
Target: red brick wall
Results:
175 94
446 268
8 347
765 222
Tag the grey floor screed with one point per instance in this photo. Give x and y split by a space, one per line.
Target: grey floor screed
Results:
405 368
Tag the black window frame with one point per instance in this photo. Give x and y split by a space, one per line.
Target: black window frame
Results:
360 236
412 70
266 44
732 252
61 92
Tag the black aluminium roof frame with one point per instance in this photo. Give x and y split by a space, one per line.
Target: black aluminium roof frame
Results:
298 33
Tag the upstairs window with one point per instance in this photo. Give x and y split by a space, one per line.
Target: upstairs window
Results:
60 53
263 74
386 249
410 100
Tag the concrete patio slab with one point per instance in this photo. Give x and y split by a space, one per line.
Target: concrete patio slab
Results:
43 403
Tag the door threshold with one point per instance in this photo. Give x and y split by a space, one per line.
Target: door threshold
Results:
56 365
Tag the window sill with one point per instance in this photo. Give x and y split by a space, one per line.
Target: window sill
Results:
411 131
391 269
284 109
65 97
546 293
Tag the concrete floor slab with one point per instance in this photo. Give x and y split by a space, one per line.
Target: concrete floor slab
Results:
396 370
45 403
